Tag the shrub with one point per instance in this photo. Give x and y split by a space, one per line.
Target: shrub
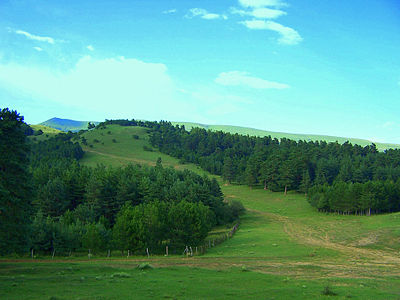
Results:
327 291
135 136
120 275
145 266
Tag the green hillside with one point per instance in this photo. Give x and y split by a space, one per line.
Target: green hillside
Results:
279 135
284 249
66 124
74 126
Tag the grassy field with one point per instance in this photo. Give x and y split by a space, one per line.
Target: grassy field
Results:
284 249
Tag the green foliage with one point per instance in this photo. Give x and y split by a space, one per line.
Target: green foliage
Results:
15 189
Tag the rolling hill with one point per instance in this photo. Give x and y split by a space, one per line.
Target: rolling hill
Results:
71 125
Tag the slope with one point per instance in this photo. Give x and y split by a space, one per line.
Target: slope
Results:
282 229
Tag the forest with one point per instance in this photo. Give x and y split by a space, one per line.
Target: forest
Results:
341 178
49 202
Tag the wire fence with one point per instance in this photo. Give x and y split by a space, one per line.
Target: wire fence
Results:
188 250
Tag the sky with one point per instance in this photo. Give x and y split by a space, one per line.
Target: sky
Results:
304 66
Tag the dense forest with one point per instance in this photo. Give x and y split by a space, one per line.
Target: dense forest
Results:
342 178
49 202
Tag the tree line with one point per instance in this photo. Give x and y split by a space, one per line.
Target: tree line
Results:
313 168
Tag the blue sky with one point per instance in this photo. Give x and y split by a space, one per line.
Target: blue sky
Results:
300 66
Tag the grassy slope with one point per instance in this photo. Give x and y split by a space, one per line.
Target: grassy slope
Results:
47 132
279 135
284 249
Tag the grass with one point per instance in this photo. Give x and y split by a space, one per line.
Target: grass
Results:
126 149
48 132
99 281
284 249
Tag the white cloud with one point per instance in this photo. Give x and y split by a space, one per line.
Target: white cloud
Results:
38 49
289 36
389 124
115 86
35 37
260 13
261 3
204 14
237 78
90 48
170 11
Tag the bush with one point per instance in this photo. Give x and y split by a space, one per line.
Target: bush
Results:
327 291
145 266
121 275
146 148
236 208
135 136
114 140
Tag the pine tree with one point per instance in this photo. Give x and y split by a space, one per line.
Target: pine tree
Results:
14 183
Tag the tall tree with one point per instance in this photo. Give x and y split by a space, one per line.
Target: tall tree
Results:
14 183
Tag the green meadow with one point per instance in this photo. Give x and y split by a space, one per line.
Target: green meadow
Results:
284 249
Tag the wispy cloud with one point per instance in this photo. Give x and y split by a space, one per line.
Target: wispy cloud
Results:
389 125
237 78
38 49
90 47
35 37
262 3
260 13
170 11
204 14
289 36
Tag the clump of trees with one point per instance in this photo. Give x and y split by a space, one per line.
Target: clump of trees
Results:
50 203
15 187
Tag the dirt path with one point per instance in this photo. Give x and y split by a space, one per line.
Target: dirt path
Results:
358 262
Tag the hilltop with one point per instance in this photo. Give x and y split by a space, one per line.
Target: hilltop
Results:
74 126
67 124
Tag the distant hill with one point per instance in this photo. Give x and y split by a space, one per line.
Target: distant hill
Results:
72 125
66 124
279 135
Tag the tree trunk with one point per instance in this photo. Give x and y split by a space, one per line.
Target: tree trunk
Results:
285 190
265 185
